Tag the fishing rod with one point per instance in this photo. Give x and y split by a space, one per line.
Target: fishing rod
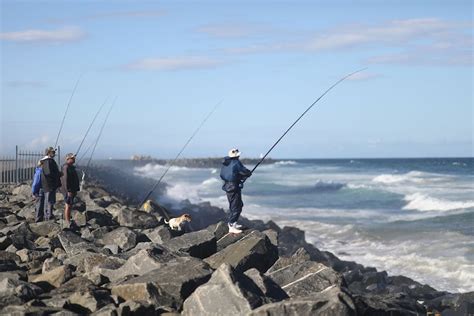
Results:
67 109
178 155
94 144
89 128
100 132
303 114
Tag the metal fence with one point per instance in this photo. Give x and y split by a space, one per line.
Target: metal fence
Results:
21 166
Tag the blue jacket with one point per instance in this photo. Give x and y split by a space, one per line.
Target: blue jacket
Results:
35 188
234 174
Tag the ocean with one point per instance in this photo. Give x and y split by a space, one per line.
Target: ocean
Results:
412 217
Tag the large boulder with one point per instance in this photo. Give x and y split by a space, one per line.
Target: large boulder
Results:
13 291
168 285
306 278
53 278
158 235
200 244
268 287
252 251
144 261
73 244
228 292
388 304
89 301
123 237
45 229
327 303
136 219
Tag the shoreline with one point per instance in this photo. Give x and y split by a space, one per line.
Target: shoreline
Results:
352 289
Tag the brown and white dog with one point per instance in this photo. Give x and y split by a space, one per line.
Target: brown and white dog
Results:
177 223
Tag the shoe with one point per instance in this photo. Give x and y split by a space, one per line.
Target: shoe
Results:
233 230
238 226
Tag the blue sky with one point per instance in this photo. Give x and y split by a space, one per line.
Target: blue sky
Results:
169 62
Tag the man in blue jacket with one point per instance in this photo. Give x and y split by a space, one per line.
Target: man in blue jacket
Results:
38 193
234 174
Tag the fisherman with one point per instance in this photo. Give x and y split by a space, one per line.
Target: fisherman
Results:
38 193
69 187
50 181
234 174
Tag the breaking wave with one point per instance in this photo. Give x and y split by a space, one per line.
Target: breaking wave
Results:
412 176
422 202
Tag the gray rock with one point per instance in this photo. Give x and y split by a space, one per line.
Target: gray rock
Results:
159 235
29 310
136 308
300 256
272 235
73 244
27 255
144 261
164 286
101 217
50 264
329 303
21 289
53 278
88 261
5 241
306 278
123 237
45 229
228 292
114 249
268 287
229 239
253 251
200 244
136 219
89 301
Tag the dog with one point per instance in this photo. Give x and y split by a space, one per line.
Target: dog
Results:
177 223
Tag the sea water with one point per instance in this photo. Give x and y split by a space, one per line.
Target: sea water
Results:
412 217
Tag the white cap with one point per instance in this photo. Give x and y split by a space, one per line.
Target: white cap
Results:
234 153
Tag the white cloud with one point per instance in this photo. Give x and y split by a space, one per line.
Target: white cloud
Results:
66 34
107 15
174 63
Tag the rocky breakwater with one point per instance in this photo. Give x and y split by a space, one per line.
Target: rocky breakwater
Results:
124 262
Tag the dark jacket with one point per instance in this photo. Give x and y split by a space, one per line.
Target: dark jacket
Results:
70 179
234 174
50 177
36 186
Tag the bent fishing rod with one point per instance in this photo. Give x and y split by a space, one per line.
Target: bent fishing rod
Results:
89 128
303 114
178 155
95 144
67 109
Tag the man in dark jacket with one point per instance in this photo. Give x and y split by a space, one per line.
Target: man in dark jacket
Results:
234 174
50 181
70 186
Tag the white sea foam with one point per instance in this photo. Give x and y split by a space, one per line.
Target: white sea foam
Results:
286 163
412 176
422 202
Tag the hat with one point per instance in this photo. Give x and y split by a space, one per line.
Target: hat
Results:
234 153
70 156
49 150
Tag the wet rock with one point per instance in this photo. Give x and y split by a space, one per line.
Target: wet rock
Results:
305 279
228 292
253 251
328 303
393 304
123 237
136 219
200 244
53 278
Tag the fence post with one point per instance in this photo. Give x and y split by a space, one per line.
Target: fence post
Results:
17 171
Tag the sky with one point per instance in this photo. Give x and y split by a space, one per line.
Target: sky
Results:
168 63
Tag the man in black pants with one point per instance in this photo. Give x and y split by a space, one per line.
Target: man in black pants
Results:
234 174
50 181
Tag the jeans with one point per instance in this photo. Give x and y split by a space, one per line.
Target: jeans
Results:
50 199
235 205
39 207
